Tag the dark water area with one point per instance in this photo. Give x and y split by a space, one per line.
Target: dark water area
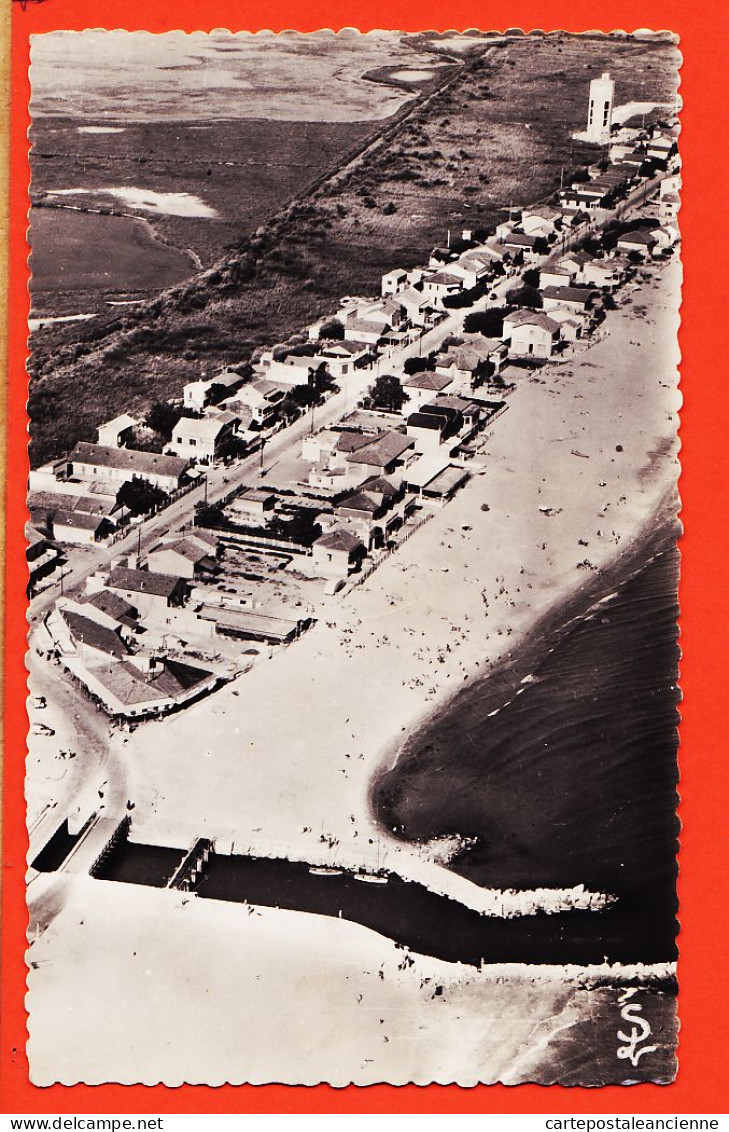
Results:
573 780
76 252
55 851
133 863
422 921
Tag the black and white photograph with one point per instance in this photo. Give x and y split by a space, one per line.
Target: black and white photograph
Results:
353 658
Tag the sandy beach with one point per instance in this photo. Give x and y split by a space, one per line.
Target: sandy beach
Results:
250 765
581 467
208 984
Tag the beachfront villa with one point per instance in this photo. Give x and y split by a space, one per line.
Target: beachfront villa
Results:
530 334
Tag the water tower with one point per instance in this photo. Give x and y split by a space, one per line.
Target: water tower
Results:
600 116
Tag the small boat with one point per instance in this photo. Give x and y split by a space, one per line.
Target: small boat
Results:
370 878
324 871
582 454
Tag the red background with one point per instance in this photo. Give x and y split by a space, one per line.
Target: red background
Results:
699 1088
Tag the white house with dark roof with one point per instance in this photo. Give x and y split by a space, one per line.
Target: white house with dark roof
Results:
341 358
151 593
96 462
440 285
422 387
605 272
336 553
202 439
418 305
258 401
290 371
80 528
427 431
472 267
516 242
579 300
641 242
530 334
385 454
191 556
196 394
542 219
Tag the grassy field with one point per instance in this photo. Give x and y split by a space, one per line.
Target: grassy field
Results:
499 134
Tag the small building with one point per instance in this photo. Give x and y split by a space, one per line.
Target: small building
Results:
669 205
394 281
254 624
42 556
337 553
577 200
192 556
440 285
605 273
421 387
640 242
472 267
417 305
74 631
575 263
531 334
661 148
380 455
148 592
319 446
570 324
118 465
666 237
541 219
434 477
80 528
260 400
113 606
118 432
516 242
142 685
342 358
576 299
428 431
197 395
203 439
253 503
558 275
461 411
368 323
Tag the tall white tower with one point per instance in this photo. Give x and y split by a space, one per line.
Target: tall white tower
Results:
600 116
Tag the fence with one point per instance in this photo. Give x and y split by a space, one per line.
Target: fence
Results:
370 569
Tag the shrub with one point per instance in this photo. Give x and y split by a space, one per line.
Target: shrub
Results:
332 330
387 393
490 323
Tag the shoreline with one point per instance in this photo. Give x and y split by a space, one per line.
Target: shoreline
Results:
380 662
553 625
